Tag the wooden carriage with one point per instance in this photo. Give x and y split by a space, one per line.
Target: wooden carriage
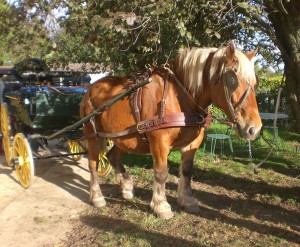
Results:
35 104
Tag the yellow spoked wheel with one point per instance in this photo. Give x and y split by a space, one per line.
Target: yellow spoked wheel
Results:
104 167
23 159
74 148
6 132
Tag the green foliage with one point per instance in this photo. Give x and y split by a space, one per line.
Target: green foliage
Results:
217 112
269 84
23 33
126 35
267 92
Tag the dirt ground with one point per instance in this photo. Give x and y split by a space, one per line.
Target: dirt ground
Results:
42 214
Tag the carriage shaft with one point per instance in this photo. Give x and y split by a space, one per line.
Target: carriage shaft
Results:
99 110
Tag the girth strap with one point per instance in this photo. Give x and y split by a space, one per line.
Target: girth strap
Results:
176 119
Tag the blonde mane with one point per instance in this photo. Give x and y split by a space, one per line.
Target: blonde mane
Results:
190 65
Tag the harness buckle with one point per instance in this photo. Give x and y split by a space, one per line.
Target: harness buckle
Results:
200 119
141 127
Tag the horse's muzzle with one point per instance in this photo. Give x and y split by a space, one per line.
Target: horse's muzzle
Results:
249 132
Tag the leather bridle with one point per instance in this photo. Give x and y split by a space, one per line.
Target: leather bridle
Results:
231 83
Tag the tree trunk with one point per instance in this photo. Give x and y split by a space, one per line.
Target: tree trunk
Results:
286 23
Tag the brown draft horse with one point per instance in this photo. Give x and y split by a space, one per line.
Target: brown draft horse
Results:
224 77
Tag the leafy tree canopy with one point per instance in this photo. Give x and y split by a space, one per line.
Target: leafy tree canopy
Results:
128 34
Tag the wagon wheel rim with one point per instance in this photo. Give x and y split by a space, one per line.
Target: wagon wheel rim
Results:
104 166
23 158
6 134
74 147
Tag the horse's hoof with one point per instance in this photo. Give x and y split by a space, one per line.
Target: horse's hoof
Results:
189 204
162 211
127 195
192 209
165 215
99 202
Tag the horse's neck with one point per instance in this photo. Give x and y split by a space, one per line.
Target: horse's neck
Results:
203 98
200 101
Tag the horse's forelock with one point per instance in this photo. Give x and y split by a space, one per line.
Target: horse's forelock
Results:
246 67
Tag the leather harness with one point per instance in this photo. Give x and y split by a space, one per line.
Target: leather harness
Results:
160 121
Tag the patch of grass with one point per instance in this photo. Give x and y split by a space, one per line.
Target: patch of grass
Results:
237 206
39 219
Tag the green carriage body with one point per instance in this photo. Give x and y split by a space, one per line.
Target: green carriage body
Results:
43 108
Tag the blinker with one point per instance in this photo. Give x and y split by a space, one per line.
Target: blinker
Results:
231 81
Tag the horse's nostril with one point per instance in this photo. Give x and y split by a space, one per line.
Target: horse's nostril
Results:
252 131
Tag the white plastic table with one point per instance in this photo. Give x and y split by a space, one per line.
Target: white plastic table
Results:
271 116
265 116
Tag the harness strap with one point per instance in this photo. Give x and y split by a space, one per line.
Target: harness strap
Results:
164 99
228 101
178 119
136 102
245 95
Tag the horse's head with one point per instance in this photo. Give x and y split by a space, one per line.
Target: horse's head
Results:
233 91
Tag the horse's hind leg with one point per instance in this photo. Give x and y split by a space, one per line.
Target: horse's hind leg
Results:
115 156
185 197
159 203
96 196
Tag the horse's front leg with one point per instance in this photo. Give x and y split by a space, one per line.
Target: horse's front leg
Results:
159 203
115 157
185 197
96 196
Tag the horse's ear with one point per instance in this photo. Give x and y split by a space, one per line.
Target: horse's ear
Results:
230 51
250 55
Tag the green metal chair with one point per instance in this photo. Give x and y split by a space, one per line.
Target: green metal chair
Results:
221 134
